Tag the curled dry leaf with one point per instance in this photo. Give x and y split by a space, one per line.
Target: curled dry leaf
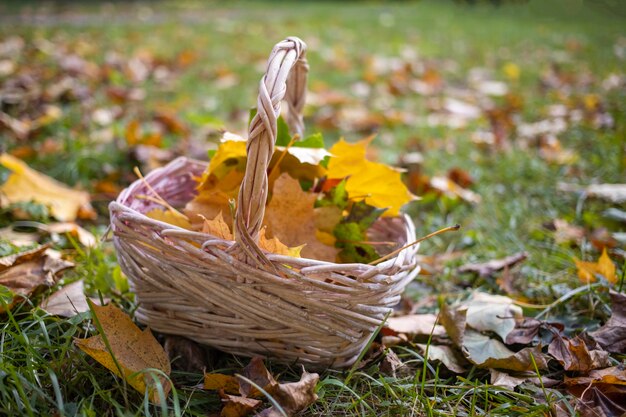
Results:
256 372
236 406
527 330
601 392
413 325
26 185
510 381
578 354
488 269
293 397
134 351
612 336
25 272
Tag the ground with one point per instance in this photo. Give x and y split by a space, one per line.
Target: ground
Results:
509 100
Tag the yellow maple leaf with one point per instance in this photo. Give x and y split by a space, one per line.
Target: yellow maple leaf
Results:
276 246
378 184
134 351
168 216
290 217
25 184
587 270
217 227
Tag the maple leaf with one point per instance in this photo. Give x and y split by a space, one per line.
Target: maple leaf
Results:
133 350
25 185
217 227
587 270
378 184
290 217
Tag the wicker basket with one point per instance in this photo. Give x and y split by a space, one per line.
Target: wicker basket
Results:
232 295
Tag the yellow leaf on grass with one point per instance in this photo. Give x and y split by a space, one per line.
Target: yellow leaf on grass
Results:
290 217
134 351
604 267
378 184
168 216
25 185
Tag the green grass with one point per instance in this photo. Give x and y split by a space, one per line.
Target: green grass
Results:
42 373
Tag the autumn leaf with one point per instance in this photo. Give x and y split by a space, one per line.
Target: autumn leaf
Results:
134 351
216 382
69 301
217 227
293 397
25 272
578 354
587 270
174 218
378 184
236 406
25 185
612 336
290 217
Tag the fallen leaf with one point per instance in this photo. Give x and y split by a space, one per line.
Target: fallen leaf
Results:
69 301
298 226
134 351
445 355
446 186
174 218
495 313
390 364
293 397
84 237
578 354
274 245
565 232
235 406
378 184
216 382
485 352
601 392
612 336
256 372
25 185
527 330
587 270
488 269
413 325
26 272
510 381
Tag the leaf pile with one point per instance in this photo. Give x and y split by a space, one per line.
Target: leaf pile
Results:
325 201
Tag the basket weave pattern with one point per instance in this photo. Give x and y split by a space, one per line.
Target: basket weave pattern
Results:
233 295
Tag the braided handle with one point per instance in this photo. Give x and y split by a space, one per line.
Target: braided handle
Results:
285 78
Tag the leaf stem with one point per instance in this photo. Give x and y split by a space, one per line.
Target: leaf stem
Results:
421 239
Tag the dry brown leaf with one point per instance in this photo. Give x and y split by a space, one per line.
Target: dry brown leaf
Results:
256 372
25 185
133 349
235 406
290 217
25 272
413 325
612 336
293 397
578 354
527 329
68 301
445 355
510 381
601 392
487 269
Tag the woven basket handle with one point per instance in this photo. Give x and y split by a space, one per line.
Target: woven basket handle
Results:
285 78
